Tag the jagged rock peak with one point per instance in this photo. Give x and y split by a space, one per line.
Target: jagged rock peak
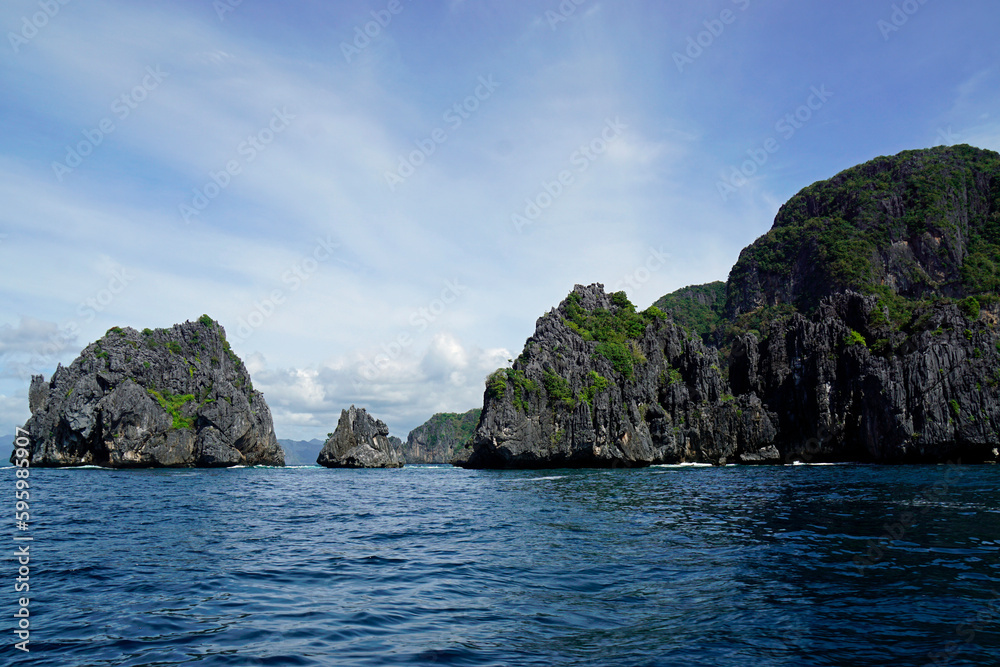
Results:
157 398
601 385
359 441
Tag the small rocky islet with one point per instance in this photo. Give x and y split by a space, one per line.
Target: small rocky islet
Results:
360 441
861 327
152 398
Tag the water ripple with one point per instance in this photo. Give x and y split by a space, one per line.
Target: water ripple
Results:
432 565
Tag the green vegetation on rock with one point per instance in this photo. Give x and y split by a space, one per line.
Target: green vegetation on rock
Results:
612 330
558 390
496 384
855 338
906 217
969 307
172 404
596 383
522 387
698 308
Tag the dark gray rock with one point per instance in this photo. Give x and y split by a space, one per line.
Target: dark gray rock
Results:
163 398
562 404
796 363
920 224
845 389
359 441
843 385
441 438
397 446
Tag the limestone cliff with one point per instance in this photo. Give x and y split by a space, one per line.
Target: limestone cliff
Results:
862 327
601 385
155 398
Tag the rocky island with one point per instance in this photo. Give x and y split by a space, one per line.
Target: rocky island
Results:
359 441
441 438
861 327
177 397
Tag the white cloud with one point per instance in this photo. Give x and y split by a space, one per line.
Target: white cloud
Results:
13 412
443 376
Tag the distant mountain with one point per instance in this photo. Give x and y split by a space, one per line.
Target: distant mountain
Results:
301 452
441 437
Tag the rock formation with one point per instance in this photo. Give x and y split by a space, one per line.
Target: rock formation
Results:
359 441
174 397
862 327
601 385
440 438
847 385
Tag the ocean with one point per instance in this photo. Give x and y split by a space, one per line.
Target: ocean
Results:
433 565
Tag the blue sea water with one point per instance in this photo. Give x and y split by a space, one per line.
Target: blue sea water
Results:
428 565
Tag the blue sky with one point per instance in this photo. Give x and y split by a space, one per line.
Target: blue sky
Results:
378 199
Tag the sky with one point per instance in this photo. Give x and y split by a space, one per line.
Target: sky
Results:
378 199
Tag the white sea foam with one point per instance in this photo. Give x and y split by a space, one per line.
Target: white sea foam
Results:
682 465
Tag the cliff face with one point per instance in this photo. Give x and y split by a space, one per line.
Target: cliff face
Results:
169 397
844 385
601 385
849 386
441 437
359 441
862 327
915 225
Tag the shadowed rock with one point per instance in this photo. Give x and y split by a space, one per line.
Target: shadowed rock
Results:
359 441
174 397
